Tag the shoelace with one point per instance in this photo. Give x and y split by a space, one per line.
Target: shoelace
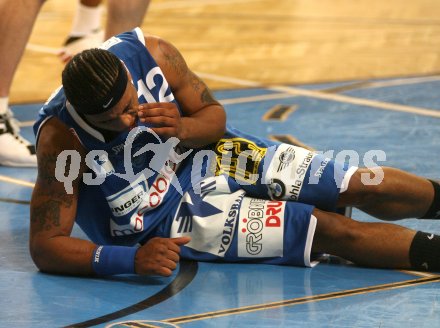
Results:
11 126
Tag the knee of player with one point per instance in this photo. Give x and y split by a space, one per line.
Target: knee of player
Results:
366 185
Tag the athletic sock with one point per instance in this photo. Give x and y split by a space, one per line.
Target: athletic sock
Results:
434 209
424 252
86 21
4 101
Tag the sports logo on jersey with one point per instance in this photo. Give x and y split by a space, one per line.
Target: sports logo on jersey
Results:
287 171
135 225
128 199
193 205
285 158
277 189
209 219
239 158
261 228
137 199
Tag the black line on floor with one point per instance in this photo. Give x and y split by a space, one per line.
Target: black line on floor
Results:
187 272
279 112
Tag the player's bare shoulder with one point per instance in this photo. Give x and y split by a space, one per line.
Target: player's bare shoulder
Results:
54 138
152 44
56 135
166 55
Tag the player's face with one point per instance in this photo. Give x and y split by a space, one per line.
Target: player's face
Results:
122 116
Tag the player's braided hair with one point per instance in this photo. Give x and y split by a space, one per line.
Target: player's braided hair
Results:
89 80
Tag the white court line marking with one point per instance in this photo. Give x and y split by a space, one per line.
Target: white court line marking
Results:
43 49
326 96
17 181
397 82
419 273
373 85
25 124
255 98
190 4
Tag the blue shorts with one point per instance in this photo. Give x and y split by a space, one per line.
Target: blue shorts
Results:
271 170
226 225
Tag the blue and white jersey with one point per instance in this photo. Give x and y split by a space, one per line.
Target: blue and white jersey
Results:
139 192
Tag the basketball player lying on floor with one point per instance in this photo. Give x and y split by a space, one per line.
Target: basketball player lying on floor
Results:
192 188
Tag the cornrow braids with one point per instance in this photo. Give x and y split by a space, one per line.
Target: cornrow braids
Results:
94 81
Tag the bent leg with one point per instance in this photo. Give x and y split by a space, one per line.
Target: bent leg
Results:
16 26
399 195
381 245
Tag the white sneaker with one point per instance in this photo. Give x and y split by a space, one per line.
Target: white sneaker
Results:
14 149
74 45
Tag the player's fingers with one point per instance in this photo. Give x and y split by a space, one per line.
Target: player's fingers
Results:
173 256
181 240
169 264
159 120
158 111
164 271
157 105
173 247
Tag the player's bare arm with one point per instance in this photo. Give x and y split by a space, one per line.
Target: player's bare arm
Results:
53 209
203 120
53 212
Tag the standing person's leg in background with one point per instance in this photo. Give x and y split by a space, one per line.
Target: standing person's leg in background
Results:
124 15
15 27
86 21
86 32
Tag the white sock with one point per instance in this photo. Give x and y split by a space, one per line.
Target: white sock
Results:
86 20
4 101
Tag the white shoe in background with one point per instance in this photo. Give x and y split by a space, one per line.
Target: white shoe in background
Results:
14 149
76 44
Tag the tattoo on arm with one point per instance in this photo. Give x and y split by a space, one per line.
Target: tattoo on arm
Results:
50 198
207 97
46 169
46 216
196 83
173 57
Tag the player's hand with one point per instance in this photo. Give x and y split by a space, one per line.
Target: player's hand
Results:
159 256
162 118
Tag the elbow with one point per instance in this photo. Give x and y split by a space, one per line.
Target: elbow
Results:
36 255
39 255
220 134
222 123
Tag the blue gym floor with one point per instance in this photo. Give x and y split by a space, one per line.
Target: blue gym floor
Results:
398 116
